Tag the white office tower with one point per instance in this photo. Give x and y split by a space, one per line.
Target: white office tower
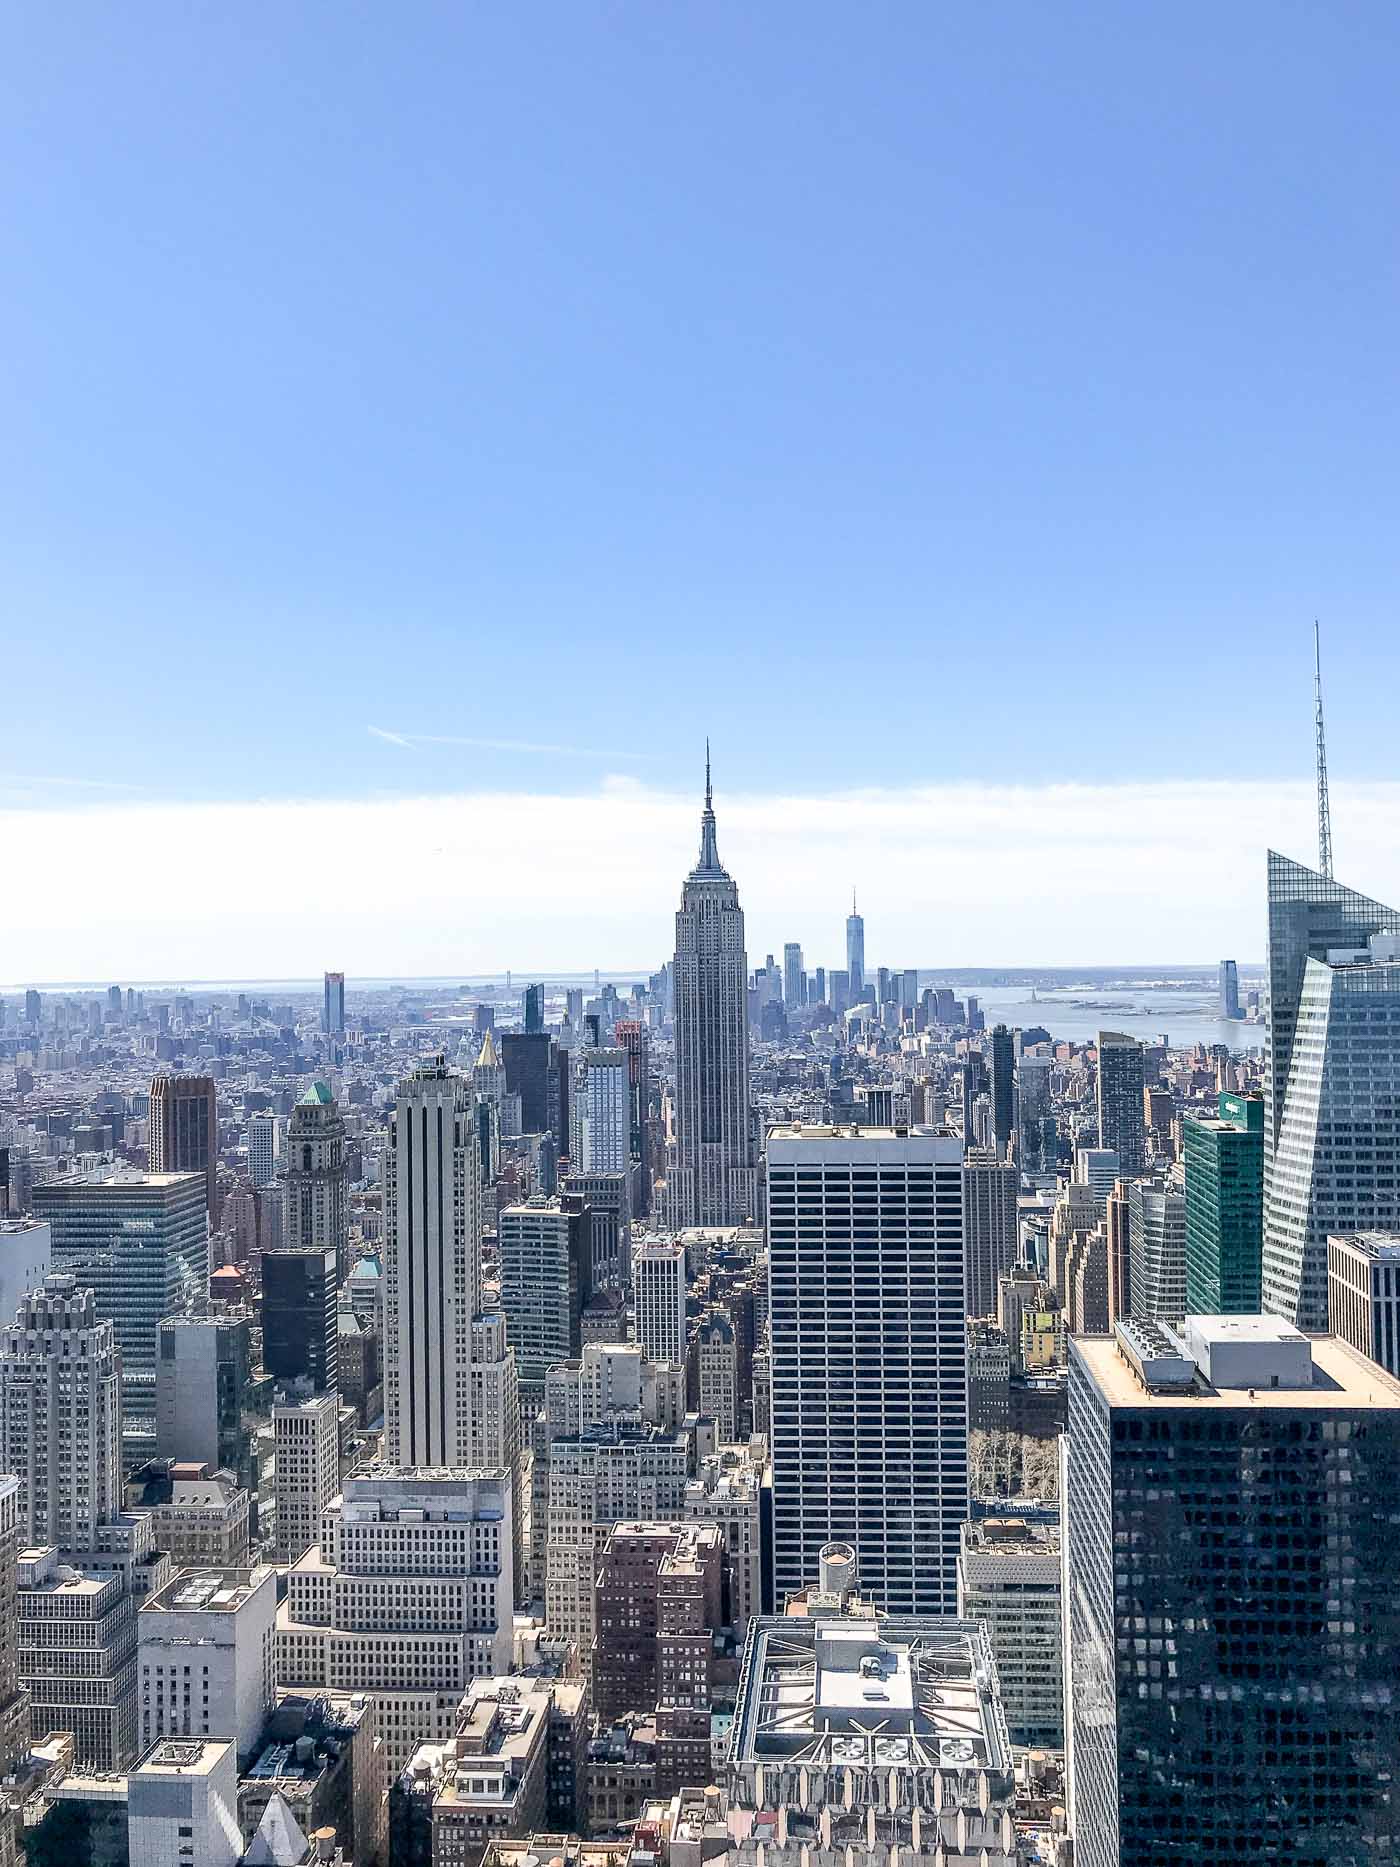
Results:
608 1475
26 1258
204 1656
727 1489
1332 1081
658 1293
182 1805
316 1187
496 1423
264 1148
613 1381
432 1270
61 1415
409 1598
869 1368
306 1468
1157 1248
712 1178
600 1112
990 1215
1098 1169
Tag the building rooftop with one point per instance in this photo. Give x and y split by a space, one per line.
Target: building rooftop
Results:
183 1756
1341 1377
1383 1246
207 1591
317 1096
849 1691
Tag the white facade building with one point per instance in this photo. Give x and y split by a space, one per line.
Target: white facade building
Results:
204 1656
600 1112
658 1292
26 1258
306 1469
409 1596
868 1358
182 1805
432 1270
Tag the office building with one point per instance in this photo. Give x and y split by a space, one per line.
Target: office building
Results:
869 1373
140 1242
300 1295
855 954
319 1757
26 1258
712 1175
202 1376
622 1658
632 1035
608 1197
794 979
1233 1624
990 1187
76 1650
546 1256
1229 989
1157 1248
199 1518
728 1490
61 1415
14 1699
182 1805
1332 1081
184 1130
432 1270
605 1475
1003 1087
930 1778
527 1058
716 1361
315 1183
1097 1168
410 1599
659 1292
333 1005
264 1152
600 1111
1363 1294
534 1009
204 1656
1120 1099
1009 1580
689 1595
306 1468
1224 1158
489 1781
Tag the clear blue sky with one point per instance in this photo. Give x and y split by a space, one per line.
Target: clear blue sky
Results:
903 393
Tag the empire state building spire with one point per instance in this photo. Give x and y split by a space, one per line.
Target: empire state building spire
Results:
712 1174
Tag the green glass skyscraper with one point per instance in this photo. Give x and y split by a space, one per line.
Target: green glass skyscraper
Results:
1225 1208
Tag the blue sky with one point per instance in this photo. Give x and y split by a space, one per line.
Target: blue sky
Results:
905 394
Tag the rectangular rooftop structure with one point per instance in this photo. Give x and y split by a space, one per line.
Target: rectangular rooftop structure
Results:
1249 1351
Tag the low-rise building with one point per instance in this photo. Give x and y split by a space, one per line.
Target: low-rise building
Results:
490 1779
621 1771
77 1658
204 1656
321 1754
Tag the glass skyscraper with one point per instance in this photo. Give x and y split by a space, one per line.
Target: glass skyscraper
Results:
1120 1088
1225 1207
1332 1117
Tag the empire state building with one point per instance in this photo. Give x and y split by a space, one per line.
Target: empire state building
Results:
713 1177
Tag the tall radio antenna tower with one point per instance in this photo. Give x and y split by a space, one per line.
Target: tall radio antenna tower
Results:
1324 809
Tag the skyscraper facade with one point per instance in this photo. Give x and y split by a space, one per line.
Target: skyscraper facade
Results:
1157 1247
855 953
793 978
534 1008
1229 989
299 1315
1225 1207
600 1111
184 1129
1120 1087
432 1269
1233 1622
990 1187
713 1177
316 1206
1332 1083
1003 1060
659 1284
869 1371
631 1034
333 1005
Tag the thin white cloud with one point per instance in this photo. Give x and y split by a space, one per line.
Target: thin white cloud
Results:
49 780
410 740
952 875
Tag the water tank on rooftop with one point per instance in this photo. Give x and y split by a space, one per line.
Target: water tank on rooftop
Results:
837 1569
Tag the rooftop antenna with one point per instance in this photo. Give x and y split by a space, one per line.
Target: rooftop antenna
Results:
1324 809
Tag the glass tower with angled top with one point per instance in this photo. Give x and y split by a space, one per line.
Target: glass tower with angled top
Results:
1332 1088
713 1176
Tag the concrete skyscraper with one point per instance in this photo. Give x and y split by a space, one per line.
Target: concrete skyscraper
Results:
317 1200
333 1005
1332 1081
432 1269
990 1187
793 978
1120 1099
631 1034
869 1370
600 1111
61 1415
713 1178
855 952
659 1287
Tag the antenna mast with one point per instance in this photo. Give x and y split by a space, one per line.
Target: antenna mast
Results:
1324 809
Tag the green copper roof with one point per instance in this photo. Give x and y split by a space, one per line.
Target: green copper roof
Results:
317 1096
